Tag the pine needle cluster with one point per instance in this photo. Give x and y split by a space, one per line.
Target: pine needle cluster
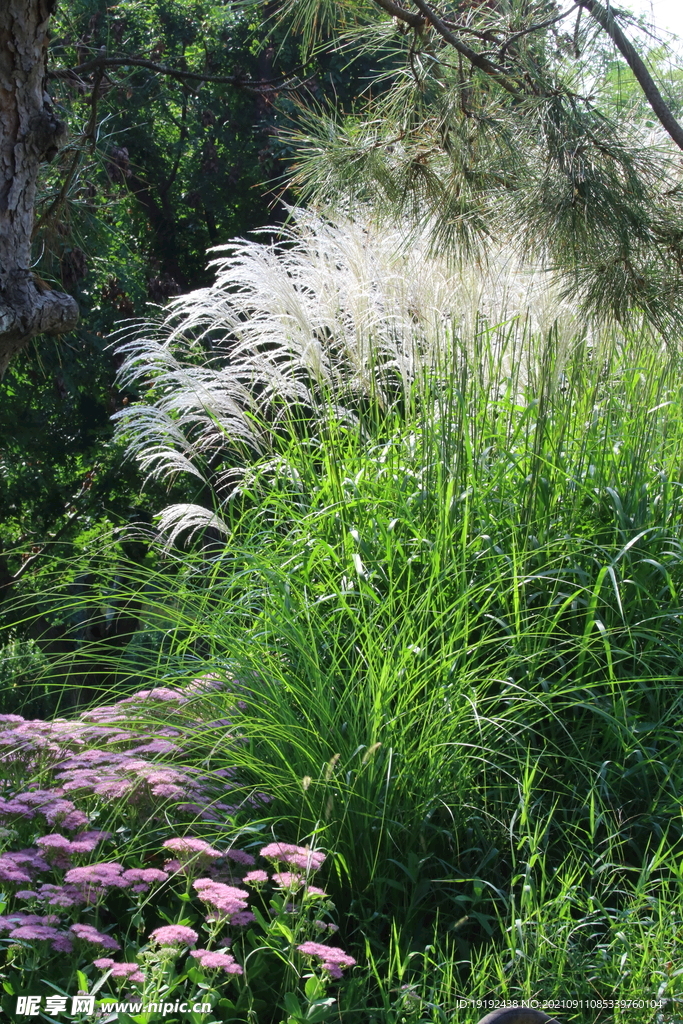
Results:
488 121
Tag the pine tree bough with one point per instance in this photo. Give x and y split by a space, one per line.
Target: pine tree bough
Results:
605 18
30 133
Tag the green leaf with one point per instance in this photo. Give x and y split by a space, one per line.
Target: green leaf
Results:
278 928
314 988
320 1011
292 1006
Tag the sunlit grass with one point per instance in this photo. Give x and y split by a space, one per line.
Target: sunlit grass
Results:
457 628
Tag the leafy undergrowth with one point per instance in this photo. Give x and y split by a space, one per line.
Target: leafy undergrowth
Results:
164 907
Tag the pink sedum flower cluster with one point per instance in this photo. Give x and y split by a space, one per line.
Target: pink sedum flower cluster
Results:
174 935
88 933
227 899
333 959
217 961
188 847
298 856
257 877
129 971
108 754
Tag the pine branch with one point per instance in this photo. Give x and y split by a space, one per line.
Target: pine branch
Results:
535 28
605 19
476 59
103 62
414 20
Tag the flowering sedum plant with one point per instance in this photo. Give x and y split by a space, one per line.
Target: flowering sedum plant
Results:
182 922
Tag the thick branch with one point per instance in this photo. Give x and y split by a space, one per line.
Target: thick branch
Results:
605 19
414 20
28 308
102 63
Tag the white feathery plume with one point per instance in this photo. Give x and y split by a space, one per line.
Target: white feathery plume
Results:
176 520
338 309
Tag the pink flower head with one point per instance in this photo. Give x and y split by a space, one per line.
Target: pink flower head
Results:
314 890
255 878
142 878
64 896
84 842
18 865
188 848
174 935
12 921
54 842
65 814
131 972
62 848
299 856
11 873
240 857
59 849
102 876
156 746
203 683
226 898
217 961
90 934
113 788
333 959
242 918
288 880
58 940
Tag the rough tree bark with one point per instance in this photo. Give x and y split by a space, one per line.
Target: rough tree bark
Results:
29 134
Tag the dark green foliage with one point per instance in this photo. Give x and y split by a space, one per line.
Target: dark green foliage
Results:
153 174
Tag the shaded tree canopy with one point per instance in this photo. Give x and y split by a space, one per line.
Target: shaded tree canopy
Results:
165 108
172 111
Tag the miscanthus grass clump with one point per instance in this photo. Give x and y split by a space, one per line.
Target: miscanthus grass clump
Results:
455 593
339 317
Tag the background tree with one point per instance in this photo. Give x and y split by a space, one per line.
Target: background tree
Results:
172 111
30 133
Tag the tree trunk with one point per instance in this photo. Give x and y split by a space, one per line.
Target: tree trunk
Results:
29 133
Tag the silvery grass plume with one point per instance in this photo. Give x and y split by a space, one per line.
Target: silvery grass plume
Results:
338 310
